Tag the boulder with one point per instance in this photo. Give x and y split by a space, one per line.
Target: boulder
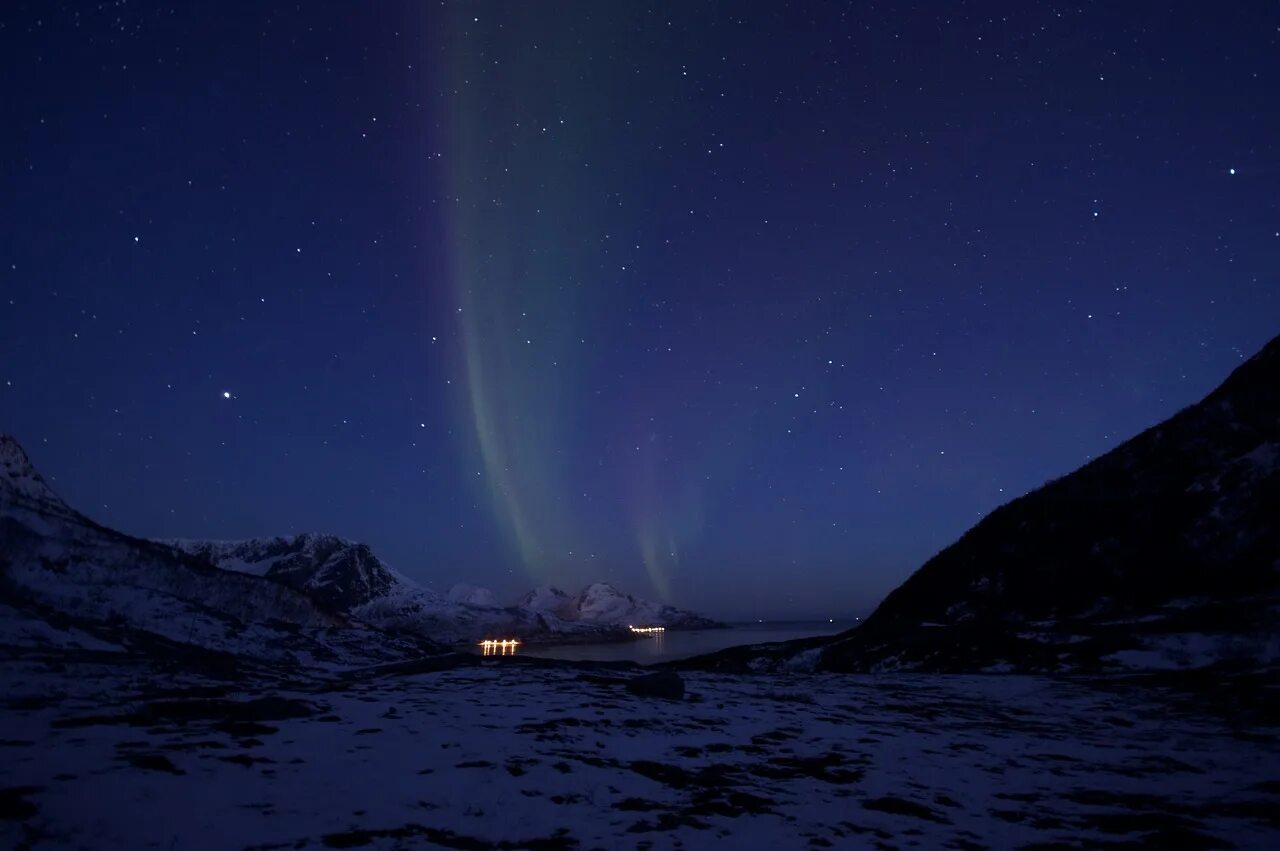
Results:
665 684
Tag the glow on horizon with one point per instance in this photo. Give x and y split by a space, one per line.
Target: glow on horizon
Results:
499 647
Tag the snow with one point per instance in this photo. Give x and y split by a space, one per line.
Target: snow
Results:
21 631
1176 651
19 480
1001 667
482 755
1266 458
70 584
601 603
347 576
470 594
339 573
544 598
111 739
228 555
803 662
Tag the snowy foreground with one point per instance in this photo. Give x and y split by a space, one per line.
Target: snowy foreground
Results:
111 755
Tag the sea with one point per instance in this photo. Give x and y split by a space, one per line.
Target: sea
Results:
681 644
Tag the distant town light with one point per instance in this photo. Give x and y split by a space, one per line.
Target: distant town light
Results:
499 647
646 629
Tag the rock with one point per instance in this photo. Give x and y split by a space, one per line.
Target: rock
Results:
665 684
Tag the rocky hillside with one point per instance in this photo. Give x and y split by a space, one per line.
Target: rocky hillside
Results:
1163 552
66 581
348 578
234 595
23 491
340 574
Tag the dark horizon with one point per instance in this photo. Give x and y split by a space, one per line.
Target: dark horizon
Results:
749 309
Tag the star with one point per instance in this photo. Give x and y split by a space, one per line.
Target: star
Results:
226 394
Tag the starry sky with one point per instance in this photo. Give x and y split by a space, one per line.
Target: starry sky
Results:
751 307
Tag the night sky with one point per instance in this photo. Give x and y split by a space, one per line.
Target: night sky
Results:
751 307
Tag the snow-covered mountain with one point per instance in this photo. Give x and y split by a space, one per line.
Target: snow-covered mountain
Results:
349 579
236 596
601 603
66 581
23 491
544 598
463 593
338 573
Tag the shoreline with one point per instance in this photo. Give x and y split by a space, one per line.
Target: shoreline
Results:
610 638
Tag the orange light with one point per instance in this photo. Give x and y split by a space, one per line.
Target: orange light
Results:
499 647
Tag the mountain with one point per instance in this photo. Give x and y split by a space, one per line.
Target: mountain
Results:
1165 552
411 608
340 574
22 489
349 579
544 598
230 596
68 582
601 603
463 593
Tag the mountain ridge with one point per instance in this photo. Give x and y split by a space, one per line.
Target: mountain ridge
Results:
1162 553
1171 526
348 576
68 581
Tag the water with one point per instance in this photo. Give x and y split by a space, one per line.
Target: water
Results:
666 646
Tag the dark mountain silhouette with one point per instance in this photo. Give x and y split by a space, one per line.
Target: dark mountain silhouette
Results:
1163 553
1175 533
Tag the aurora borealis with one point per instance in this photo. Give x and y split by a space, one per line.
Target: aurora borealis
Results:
519 229
549 160
744 306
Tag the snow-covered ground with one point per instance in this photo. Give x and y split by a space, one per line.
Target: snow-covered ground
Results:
124 756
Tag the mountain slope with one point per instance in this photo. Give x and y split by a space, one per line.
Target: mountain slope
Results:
544 598
339 574
59 567
1165 551
351 580
463 593
601 603
348 578
22 489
